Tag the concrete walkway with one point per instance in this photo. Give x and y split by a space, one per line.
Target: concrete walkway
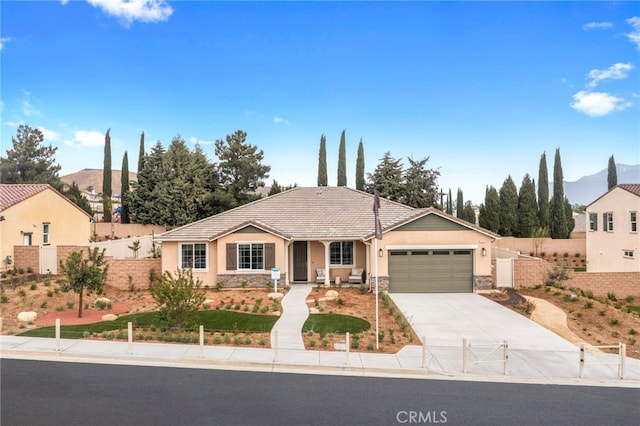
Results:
294 313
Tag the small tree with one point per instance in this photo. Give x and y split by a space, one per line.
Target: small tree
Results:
178 297
134 247
84 273
538 235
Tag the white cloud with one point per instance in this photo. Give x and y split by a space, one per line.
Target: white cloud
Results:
3 41
49 135
617 71
197 141
13 123
63 2
279 120
28 109
597 104
129 11
634 35
90 138
597 25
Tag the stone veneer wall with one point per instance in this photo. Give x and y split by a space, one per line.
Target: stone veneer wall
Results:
483 282
622 284
253 280
26 257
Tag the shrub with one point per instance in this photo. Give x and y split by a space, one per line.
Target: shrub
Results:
255 309
22 293
629 299
178 297
264 309
43 305
588 304
312 343
59 308
612 296
614 321
70 304
237 340
380 336
325 342
217 340
632 331
370 346
262 341
33 286
362 288
219 285
602 312
243 283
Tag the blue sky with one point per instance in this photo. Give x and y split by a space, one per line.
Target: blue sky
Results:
480 88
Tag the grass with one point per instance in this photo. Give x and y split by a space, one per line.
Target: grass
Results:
211 320
335 323
633 308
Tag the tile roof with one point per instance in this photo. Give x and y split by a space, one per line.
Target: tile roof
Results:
633 188
305 213
11 194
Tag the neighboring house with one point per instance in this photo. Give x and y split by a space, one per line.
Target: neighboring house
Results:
612 231
307 231
38 215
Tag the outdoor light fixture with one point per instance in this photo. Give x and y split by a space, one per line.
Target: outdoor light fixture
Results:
483 251
380 253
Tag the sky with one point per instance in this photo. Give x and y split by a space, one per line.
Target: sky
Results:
481 89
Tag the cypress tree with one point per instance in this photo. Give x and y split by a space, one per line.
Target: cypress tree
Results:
543 192
612 174
558 217
459 204
360 167
490 210
322 162
468 213
141 153
449 203
342 161
527 208
106 178
508 208
124 189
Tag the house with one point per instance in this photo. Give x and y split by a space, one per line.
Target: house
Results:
38 215
612 230
326 234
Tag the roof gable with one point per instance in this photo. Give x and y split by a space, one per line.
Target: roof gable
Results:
431 222
633 188
12 194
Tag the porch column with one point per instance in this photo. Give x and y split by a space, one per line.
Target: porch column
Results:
327 273
368 262
287 244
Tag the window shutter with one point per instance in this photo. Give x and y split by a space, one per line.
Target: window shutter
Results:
232 258
604 222
269 255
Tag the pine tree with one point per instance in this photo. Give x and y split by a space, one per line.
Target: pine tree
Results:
459 203
124 189
387 178
342 161
527 208
558 217
420 184
29 161
141 153
275 188
490 210
612 174
322 162
106 178
508 208
543 192
360 182
449 203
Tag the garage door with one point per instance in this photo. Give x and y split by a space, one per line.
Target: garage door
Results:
430 271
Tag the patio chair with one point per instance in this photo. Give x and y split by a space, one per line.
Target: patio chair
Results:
320 276
355 277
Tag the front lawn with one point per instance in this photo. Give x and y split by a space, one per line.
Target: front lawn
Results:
335 323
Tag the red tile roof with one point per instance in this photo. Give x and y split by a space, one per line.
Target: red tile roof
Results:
633 188
11 194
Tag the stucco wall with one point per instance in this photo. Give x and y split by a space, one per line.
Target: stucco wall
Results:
124 230
67 223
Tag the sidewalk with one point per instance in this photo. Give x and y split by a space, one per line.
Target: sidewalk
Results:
439 360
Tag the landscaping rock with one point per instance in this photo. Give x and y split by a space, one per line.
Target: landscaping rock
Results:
109 317
274 296
331 295
314 311
27 316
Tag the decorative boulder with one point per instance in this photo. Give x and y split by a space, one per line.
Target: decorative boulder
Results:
274 296
27 316
109 317
331 295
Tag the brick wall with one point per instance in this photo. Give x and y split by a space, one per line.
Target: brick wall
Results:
530 271
64 252
26 257
120 270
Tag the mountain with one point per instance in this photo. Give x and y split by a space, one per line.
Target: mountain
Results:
588 188
93 178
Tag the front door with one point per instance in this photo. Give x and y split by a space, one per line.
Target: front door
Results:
26 239
300 261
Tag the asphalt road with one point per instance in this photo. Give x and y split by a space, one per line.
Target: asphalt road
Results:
63 393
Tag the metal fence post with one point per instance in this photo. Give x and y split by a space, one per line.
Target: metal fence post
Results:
57 334
130 337
464 354
424 352
581 360
346 339
506 357
623 356
202 341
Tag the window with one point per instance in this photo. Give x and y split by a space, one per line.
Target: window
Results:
193 256
341 253
251 256
607 222
633 220
593 221
628 253
45 233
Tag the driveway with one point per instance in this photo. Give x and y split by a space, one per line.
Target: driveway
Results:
445 318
